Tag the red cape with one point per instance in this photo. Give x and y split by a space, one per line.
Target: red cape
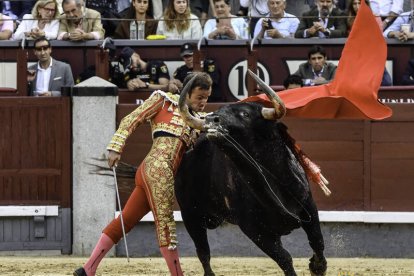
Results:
353 94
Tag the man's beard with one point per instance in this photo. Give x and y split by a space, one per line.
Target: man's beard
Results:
325 11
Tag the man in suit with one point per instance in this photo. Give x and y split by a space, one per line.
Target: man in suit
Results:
323 21
48 76
79 23
316 70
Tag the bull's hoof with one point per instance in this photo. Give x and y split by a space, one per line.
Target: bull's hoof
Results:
79 272
209 274
317 266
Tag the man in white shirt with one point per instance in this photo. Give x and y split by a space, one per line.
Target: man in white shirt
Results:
388 10
48 76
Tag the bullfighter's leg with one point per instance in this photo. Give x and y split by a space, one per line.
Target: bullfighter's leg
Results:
269 244
317 264
199 235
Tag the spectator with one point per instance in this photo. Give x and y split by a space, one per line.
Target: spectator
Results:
387 10
293 81
152 74
79 23
208 66
48 75
226 25
402 28
17 9
352 10
299 7
408 76
279 24
256 8
140 10
323 21
6 27
178 22
316 70
41 22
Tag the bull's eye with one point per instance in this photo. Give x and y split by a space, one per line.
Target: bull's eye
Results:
245 114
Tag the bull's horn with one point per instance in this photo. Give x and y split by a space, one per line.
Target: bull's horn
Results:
279 109
189 119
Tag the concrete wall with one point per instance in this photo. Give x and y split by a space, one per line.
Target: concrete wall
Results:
341 240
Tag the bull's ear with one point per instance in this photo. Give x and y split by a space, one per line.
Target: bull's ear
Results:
279 106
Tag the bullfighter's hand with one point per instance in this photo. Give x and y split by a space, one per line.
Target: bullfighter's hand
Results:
113 158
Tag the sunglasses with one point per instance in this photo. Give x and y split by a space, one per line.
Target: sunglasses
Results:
187 56
42 48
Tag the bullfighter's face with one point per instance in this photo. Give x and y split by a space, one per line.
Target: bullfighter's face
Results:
198 99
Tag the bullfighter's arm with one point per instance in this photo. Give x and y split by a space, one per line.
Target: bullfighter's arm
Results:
129 123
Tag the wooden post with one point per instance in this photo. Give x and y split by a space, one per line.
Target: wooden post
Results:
198 56
252 65
102 63
22 72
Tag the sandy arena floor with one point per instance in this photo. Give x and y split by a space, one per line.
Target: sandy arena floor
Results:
58 266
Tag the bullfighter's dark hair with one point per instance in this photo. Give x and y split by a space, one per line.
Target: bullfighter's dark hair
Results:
203 80
40 39
316 49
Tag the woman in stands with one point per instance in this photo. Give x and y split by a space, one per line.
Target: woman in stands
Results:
154 179
140 10
41 22
226 25
352 10
6 27
178 22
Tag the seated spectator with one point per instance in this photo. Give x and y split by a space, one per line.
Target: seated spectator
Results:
352 11
408 76
48 75
387 10
17 9
402 28
79 23
279 24
256 8
226 25
178 22
292 81
299 7
42 22
323 21
140 10
316 70
138 74
208 66
6 27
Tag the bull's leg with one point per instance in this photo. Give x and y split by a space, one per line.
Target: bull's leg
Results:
317 264
199 236
271 245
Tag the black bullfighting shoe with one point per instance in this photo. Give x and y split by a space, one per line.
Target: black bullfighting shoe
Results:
79 272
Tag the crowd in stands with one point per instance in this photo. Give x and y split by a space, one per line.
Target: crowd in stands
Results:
80 20
183 19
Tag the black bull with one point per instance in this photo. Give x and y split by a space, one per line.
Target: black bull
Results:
244 171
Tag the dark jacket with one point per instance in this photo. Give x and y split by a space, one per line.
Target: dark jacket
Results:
122 30
306 73
408 76
311 16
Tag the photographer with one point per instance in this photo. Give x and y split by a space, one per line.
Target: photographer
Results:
279 24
